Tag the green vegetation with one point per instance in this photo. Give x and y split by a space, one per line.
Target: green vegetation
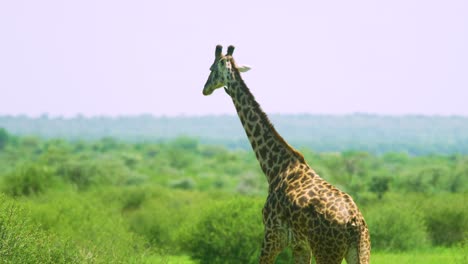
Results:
22 241
182 201
237 219
433 256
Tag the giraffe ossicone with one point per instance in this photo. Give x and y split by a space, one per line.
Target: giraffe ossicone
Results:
302 210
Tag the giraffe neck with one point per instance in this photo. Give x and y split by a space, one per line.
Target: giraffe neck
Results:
272 151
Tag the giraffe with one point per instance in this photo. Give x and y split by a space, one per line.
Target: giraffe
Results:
302 210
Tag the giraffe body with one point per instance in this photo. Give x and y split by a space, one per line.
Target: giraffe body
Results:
302 210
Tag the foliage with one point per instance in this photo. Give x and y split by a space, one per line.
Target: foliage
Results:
29 179
379 185
108 201
397 228
164 216
430 256
415 221
96 230
24 242
228 232
100 171
447 219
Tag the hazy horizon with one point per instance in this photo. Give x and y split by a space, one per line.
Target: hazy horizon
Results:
234 114
118 58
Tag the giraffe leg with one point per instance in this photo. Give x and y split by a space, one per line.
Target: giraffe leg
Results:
329 253
364 246
329 259
359 251
302 254
274 242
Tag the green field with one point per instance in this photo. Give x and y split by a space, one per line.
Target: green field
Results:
454 256
436 256
180 201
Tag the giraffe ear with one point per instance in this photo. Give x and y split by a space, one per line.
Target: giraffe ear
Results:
243 68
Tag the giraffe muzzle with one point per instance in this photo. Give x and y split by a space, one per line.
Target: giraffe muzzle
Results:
207 91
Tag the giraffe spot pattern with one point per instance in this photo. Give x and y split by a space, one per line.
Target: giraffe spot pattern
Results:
302 209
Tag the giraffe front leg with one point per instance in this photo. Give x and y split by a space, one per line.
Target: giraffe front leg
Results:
274 242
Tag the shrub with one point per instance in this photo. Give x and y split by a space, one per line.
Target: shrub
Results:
228 232
447 219
155 224
379 185
96 230
163 216
396 228
133 199
24 242
447 227
90 172
459 182
29 179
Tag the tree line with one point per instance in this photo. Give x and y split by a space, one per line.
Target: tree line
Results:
415 135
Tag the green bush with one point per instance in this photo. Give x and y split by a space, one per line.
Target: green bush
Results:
460 178
22 241
379 185
133 199
447 219
91 172
447 227
164 216
228 232
97 230
156 225
396 228
29 179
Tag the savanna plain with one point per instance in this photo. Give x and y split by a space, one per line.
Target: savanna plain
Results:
187 200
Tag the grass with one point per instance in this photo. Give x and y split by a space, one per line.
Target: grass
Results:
457 255
166 259
438 255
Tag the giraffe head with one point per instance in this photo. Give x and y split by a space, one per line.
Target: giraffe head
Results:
222 70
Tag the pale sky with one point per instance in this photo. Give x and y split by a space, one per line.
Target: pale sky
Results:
113 57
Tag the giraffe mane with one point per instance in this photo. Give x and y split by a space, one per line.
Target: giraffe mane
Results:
263 115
